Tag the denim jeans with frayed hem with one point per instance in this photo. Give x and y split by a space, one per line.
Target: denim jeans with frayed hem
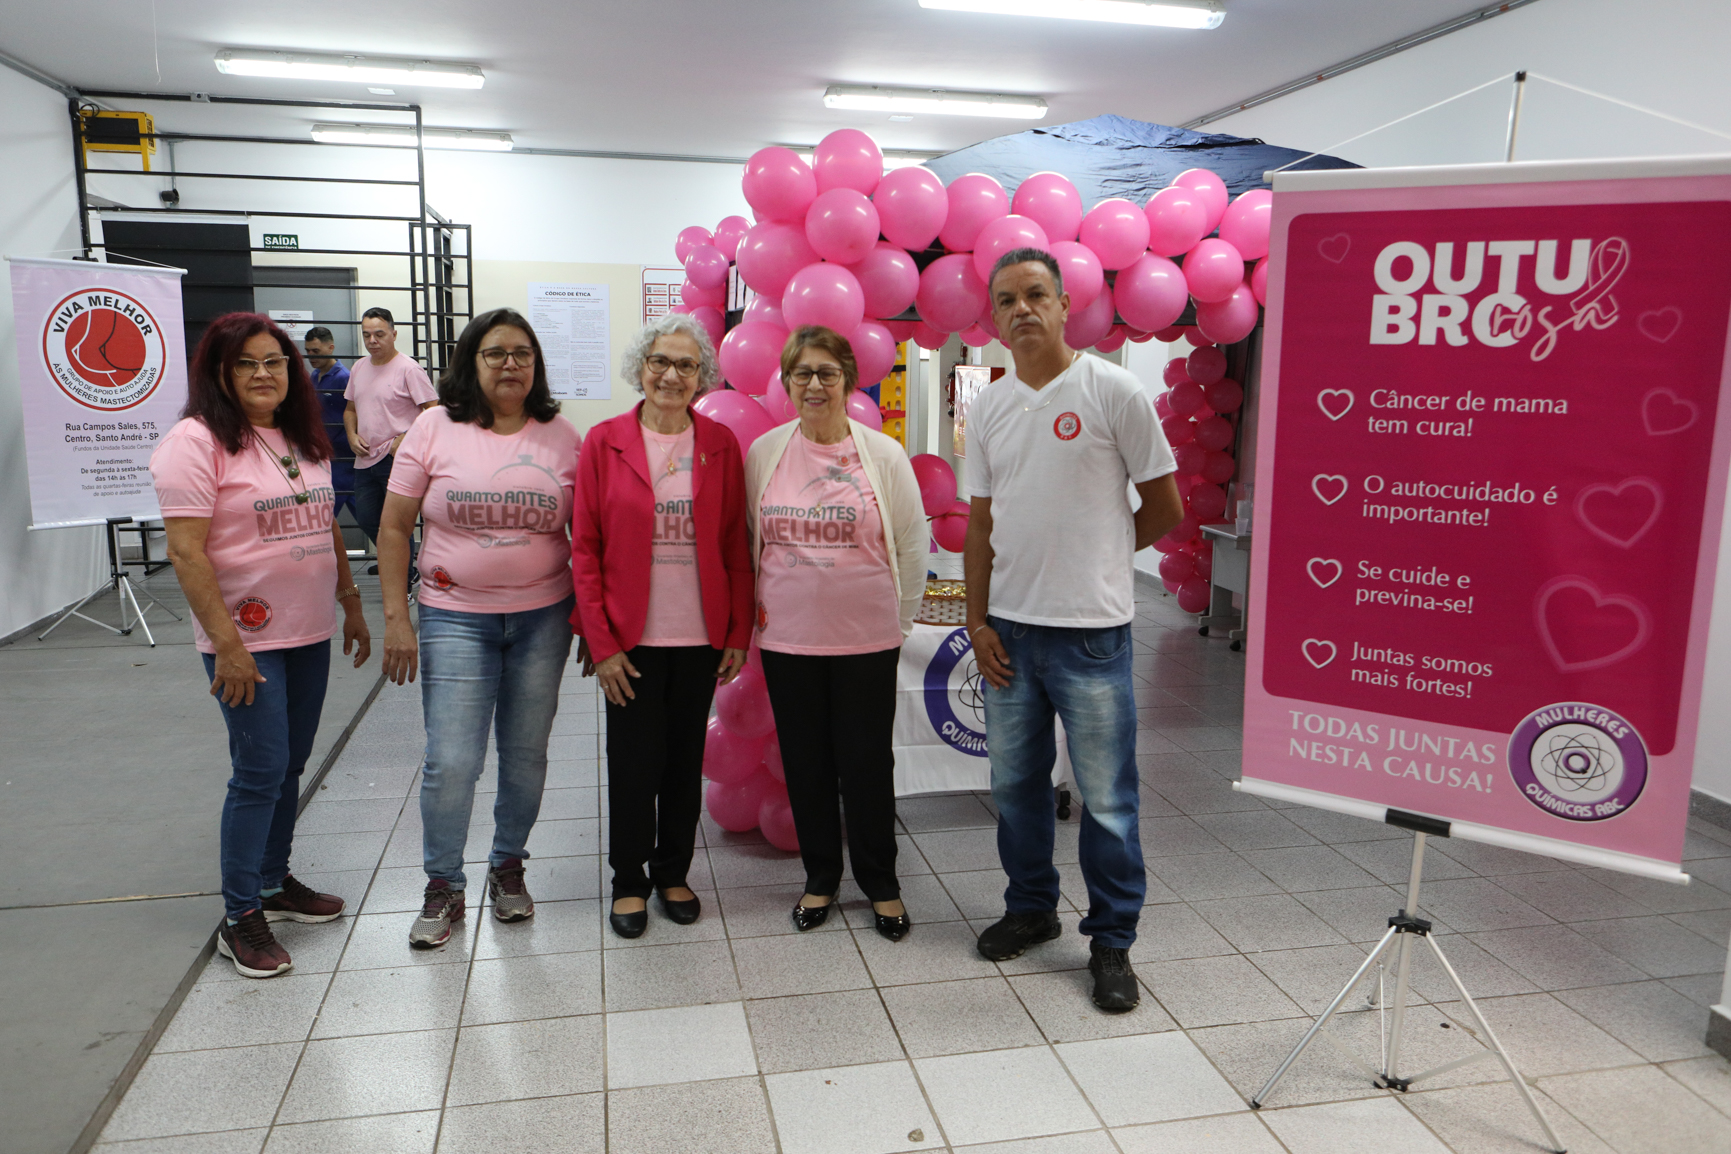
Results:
269 742
479 671
1082 676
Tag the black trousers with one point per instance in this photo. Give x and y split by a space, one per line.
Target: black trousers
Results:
655 767
834 716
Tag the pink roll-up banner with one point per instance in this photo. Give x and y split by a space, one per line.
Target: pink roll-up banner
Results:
1490 481
102 372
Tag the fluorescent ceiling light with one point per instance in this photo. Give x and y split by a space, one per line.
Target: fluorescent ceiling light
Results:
402 136
1162 13
893 157
350 69
934 100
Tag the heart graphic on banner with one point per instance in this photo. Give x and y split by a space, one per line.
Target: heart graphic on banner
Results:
1663 411
1326 565
1584 629
1330 399
1621 513
1660 324
1325 481
1334 248
1318 653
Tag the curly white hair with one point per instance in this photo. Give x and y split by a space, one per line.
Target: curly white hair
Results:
631 365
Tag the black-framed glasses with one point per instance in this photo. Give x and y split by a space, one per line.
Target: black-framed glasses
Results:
495 357
685 366
828 375
276 366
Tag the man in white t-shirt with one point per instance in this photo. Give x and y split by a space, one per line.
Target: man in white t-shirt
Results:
1053 449
386 392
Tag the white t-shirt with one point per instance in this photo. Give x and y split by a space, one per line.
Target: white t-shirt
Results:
1056 463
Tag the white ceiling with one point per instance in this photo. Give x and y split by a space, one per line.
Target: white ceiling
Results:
700 77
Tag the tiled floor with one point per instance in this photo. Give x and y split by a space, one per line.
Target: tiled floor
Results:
735 1034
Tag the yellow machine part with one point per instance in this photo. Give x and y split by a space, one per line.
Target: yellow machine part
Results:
893 394
103 133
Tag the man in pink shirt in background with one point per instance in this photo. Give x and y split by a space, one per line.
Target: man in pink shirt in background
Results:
386 392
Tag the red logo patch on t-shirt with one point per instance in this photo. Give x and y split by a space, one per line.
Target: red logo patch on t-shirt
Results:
1067 426
442 579
252 613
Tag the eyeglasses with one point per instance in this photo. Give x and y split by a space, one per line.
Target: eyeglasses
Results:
275 366
495 358
685 367
828 376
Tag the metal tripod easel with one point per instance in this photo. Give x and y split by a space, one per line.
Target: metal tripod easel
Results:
120 580
1403 927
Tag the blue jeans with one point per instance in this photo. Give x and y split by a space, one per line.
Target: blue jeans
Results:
481 670
369 502
1082 675
343 484
269 742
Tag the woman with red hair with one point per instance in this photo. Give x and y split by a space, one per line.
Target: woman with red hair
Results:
244 482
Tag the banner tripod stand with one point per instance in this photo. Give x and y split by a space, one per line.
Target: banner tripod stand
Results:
120 580
1402 928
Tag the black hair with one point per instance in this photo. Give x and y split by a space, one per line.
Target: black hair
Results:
379 314
319 333
460 385
1022 256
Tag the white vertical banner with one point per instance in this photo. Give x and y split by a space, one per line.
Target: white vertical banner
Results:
571 322
102 371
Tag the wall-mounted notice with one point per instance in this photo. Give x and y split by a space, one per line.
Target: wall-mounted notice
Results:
1491 481
293 322
571 322
660 290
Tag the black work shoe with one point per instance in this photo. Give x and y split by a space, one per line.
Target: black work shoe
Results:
1115 988
1012 934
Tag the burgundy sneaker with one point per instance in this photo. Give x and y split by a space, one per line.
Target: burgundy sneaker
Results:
252 947
511 900
441 906
298 903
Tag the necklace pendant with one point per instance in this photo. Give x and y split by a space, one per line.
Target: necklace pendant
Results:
672 468
302 498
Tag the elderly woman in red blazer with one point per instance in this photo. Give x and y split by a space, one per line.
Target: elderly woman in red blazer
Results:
662 564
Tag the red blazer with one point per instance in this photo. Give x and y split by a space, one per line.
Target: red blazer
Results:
614 517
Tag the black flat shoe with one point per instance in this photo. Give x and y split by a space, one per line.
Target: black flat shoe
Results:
894 928
680 913
629 925
811 918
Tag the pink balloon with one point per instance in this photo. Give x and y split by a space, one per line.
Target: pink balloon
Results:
1245 225
1151 293
1163 405
912 205
772 763
848 158
1117 232
937 483
1170 586
823 294
1003 235
775 400
749 353
1213 269
729 233
1190 457
1206 365
693 296
1212 190
1182 532
1088 327
865 410
874 351
900 330
1178 429
1218 467
975 201
1204 562
988 326
775 818
929 338
1194 595
1208 501
1177 219
1083 276
1114 340
1214 433
1177 566
841 225
1051 201
682 307
742 707
975 337
1231 320
951 295
727 756
1186 397
712 321
744 417
1140 338
1259 281
779 185
734 805
1195 337
689 238
766 309
1174 373
889 278
950 532
706 267
771 253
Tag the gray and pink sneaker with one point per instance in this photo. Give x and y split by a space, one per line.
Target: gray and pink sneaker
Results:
441 907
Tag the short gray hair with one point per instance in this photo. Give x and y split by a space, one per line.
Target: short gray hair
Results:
682 324
1023 256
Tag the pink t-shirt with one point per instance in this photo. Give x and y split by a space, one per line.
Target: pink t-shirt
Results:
675 595
496 511
387 399
274 557
824 584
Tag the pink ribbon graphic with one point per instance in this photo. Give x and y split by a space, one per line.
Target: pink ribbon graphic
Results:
1595 305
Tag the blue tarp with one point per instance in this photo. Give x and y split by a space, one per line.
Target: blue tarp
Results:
1114 156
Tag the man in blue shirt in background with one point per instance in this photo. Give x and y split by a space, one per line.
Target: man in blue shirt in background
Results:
330 379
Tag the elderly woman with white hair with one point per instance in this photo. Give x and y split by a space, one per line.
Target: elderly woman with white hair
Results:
662 565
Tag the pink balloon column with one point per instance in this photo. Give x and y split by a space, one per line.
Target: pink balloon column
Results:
750 353
912 206
688 239
975 201
889 278
743 416
779 185
1052 202
847 158
1201 430
841 225
951 295
742 760
1117 231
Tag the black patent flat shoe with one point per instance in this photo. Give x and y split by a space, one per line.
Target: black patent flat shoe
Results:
811 918
629 925
894 928
681 913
